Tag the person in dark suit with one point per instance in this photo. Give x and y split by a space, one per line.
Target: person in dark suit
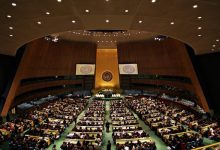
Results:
109 145
107 126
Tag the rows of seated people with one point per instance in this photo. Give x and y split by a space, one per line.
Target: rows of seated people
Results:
39 128
13 127
205 126
165 120
87 134
127 134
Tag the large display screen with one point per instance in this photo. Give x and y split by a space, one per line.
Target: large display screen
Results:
85 69
128 69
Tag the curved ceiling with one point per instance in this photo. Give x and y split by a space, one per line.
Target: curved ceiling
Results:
195 22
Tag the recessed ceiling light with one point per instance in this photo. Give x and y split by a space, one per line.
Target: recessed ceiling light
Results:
11 28
59 1
213 49
87 10
11 35
153 1
199 35
14 4
73 21
217 40
107 21
199 17
39 22
107 0
199 28
8 16
126 10
140 21
195 6
172 23
47 13
213 45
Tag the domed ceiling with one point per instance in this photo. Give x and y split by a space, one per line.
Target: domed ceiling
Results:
195 22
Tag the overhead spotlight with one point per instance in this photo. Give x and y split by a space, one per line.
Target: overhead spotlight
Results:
107 21
39 22
14 4
53 38
140 21
87 11
59 1
213 45
160 38
195 6
172 23
199 35
153 1
8 16
11 28
11 35
47 13
126 10
217 40
199 17
107 0
213 49
199 28
73 21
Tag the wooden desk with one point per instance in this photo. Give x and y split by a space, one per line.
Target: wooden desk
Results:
140 131
179 134
134 140
40 138
74 141
215 145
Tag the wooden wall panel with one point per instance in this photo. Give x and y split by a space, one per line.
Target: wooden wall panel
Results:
45 58
40 95
154 57
31 87
168 57
163 82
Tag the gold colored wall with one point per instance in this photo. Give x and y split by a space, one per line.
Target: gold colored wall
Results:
107 60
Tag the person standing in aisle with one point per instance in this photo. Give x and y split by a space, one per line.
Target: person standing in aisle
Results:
109 145
107 126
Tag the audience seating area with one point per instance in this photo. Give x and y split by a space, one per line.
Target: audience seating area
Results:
42 126
172 124
126 130
87 133
39 128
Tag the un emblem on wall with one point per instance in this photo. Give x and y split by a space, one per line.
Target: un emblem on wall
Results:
107 76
